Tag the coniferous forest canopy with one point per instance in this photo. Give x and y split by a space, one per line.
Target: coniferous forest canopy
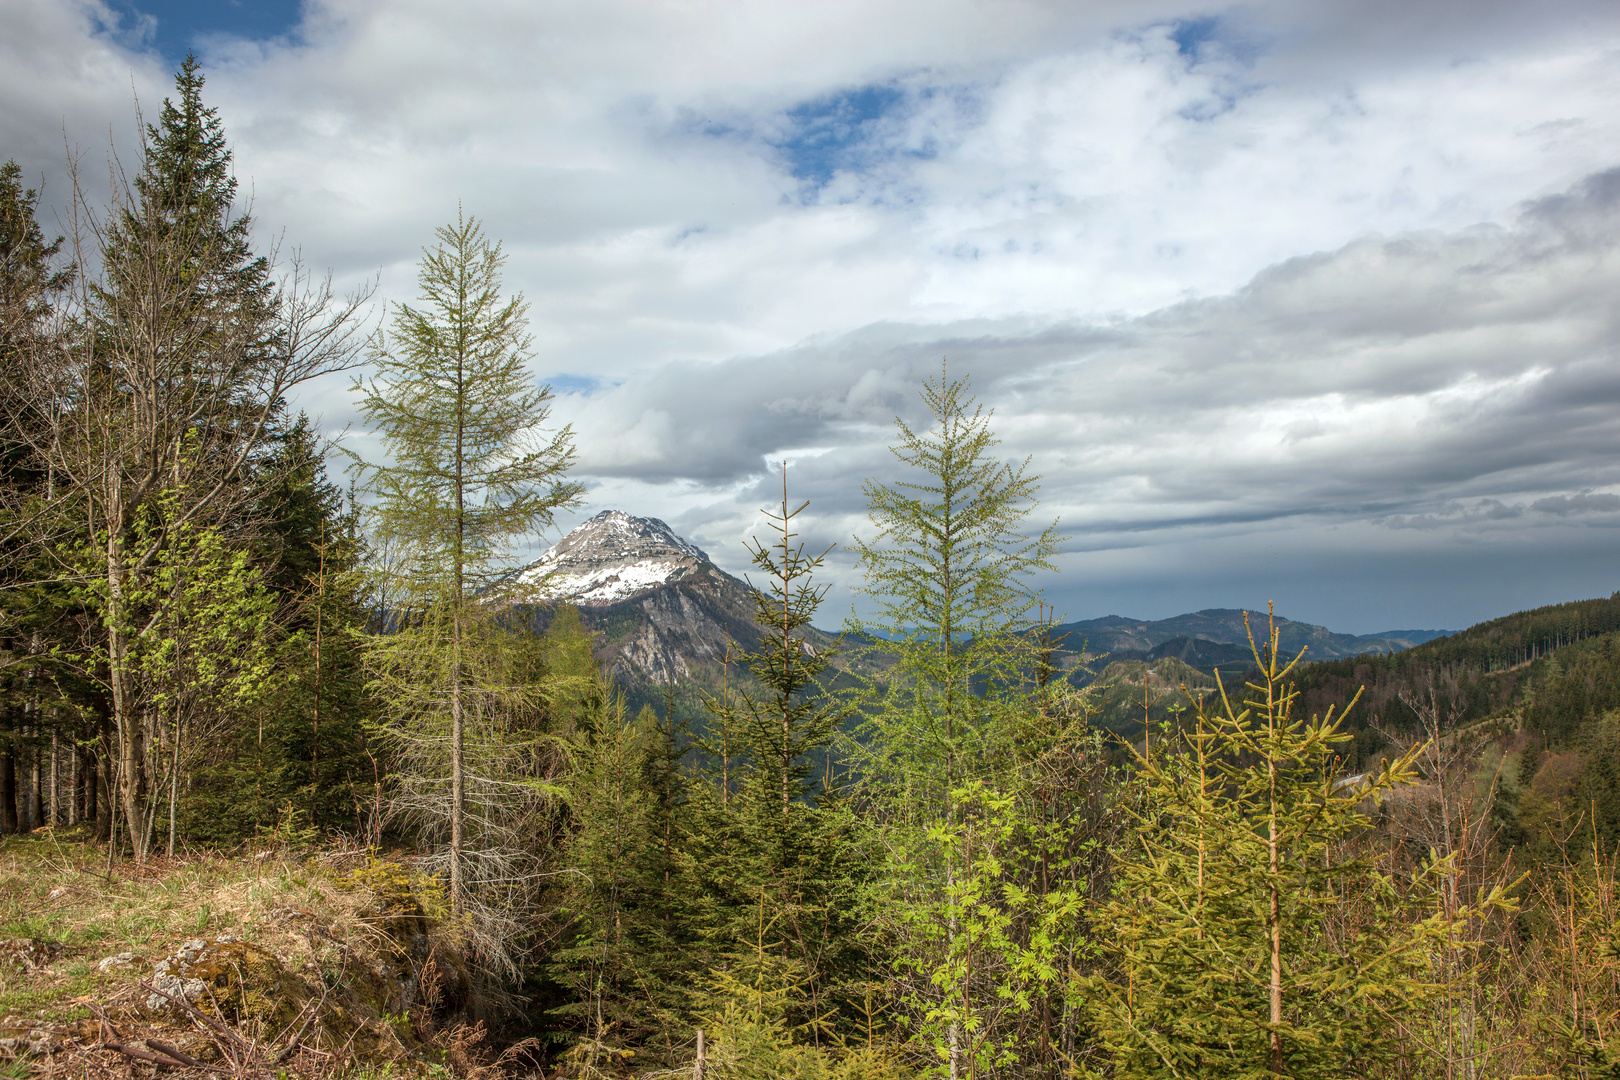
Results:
924 849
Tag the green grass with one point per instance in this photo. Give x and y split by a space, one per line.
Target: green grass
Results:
54 887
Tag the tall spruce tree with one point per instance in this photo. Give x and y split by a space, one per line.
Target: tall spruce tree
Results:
31 277
153 413
793 719
459 415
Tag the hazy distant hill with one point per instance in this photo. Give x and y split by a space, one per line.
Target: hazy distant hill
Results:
1117 635
663 613
1411 638
1474 672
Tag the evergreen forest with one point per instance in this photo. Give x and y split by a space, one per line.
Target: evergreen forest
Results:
922 850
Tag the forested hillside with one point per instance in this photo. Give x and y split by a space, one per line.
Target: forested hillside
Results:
304 778
1538 689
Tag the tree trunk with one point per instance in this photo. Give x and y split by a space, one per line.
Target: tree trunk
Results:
8 788
106 782
174 783
89 780
52 812
1276 930
456 784
36 786
130 744
457 730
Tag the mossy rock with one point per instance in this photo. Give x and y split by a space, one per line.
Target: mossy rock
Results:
407 901
249 985
248 982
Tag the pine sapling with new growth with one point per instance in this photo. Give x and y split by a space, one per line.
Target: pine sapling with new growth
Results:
1255 932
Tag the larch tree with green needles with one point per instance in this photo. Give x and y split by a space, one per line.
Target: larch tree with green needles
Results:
949 572
460 419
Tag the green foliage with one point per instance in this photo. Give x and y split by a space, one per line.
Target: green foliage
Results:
458 413
969 752
29 276
762 1022
625 938
795 719
948 572
180 248
762 831
303 741
987 919
207 641
1253 932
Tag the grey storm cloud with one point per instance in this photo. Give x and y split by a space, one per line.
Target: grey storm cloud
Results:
1393 376
1585 503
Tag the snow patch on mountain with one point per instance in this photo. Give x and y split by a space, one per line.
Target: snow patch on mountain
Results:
612 557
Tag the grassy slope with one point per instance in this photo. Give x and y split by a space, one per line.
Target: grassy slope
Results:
316 916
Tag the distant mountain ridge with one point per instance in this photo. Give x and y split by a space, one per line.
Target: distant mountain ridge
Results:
1116 634
664 613
613 556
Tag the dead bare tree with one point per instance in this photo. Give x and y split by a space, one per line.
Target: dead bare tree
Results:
1447 816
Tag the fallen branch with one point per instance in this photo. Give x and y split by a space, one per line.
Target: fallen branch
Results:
176 1053
163 1060
293 1044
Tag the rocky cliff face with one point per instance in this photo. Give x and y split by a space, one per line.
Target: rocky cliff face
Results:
662 610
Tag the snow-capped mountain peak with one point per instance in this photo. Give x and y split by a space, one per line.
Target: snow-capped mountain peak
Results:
612 557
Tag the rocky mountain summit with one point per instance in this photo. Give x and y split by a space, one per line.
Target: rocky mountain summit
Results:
613 557
663 612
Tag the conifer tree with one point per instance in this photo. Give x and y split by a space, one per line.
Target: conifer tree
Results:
949 572
765 832
153 412
459 416
625 958
793 718
1253 936
303 744
32 282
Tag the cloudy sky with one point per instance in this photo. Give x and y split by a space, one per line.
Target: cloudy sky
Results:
1298 301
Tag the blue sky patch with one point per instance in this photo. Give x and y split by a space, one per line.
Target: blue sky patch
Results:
1211 35
183 25
858 130
1191 34
836 132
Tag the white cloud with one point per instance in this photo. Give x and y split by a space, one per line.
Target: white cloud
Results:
1290 273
